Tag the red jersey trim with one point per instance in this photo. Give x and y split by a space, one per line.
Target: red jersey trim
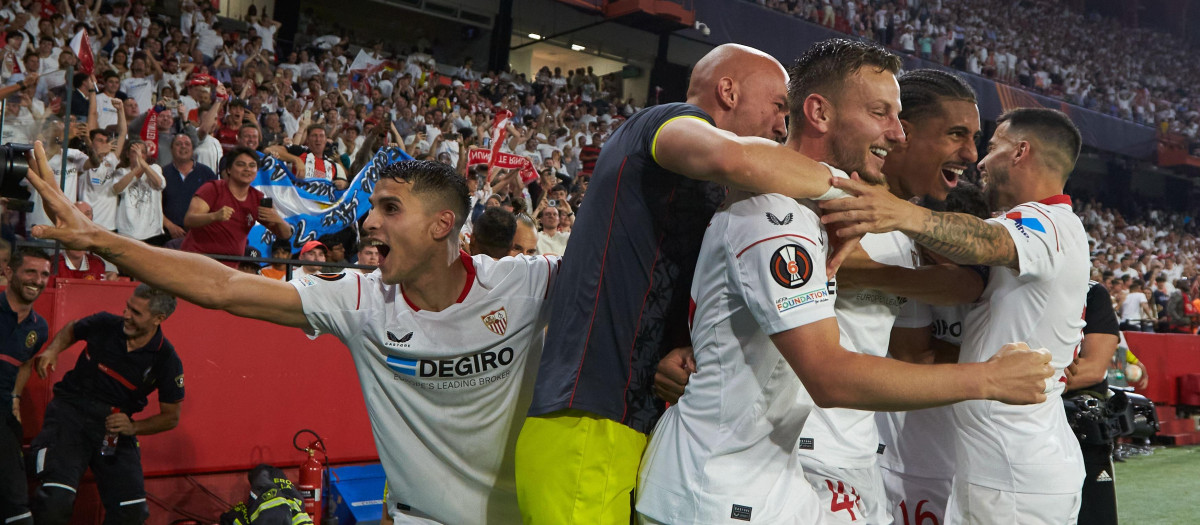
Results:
756 243
10 360
1057 199
468 265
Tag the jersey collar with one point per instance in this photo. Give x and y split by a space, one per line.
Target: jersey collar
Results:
1057 199
468 265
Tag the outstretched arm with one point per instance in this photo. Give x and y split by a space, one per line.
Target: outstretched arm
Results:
962 238
698 150
189 276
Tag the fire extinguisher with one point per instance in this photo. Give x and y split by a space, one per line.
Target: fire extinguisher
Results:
312 474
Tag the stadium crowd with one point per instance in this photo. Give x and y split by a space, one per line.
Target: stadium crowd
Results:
1136 74
219 83
180 110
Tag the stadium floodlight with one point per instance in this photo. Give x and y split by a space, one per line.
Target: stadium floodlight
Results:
577 47
535 36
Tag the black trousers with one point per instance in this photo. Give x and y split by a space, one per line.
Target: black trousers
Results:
1099 505
67 446
14 493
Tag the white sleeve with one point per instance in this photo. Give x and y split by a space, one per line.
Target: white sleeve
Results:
331 302
780 269
1035 235
914 314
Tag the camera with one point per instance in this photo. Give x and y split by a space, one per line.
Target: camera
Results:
13 169
1123 414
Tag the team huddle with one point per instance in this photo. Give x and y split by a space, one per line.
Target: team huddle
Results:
788 298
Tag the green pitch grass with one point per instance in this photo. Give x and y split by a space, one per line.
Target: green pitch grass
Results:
1160 489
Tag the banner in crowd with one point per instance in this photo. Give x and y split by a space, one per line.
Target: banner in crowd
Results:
503 160
82 49
313 206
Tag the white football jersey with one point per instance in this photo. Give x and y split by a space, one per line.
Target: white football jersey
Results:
922 442
844 437
726 451
1028 448
446 391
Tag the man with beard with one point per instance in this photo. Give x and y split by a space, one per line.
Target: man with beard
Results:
27 273
1025 464
624 304
89 422
941 123
762 302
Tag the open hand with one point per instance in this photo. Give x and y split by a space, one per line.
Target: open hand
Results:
71 227
870 209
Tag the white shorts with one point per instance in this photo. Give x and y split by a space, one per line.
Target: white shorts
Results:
916 500
849 495
975 504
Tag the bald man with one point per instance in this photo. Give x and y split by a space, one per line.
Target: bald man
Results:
622 301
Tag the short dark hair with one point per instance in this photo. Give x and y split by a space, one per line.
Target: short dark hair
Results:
281 245
79 79
109 74
434 179
238 151
824 68
314 127
92 134
922 92
161 303
1053 129
18 256
493 232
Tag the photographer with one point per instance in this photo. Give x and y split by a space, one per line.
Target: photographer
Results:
1087 376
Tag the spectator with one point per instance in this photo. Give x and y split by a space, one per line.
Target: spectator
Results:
140 184
100 175
313 251
183 177
1136 314
280 249
551 241
222 212
311 161
368 255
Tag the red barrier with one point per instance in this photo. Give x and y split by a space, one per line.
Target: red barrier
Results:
250 385
1167 357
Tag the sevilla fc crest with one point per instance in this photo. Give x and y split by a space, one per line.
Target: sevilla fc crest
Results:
496 321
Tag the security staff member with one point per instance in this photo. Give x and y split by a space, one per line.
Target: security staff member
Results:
1088 376
22 333
126 358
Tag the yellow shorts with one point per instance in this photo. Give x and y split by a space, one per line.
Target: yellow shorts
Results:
574 467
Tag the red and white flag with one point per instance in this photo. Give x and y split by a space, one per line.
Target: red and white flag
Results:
83 51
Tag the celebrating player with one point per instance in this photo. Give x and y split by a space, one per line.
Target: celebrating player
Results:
1024 463
441 340
763 304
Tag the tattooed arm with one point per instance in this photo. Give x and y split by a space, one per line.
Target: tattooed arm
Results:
962 238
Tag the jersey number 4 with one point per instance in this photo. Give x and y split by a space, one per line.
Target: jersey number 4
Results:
841 499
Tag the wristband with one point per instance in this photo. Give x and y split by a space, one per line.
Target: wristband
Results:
16 396
834 191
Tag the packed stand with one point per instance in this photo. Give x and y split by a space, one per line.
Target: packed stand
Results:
1133 73
172 97
1148 264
